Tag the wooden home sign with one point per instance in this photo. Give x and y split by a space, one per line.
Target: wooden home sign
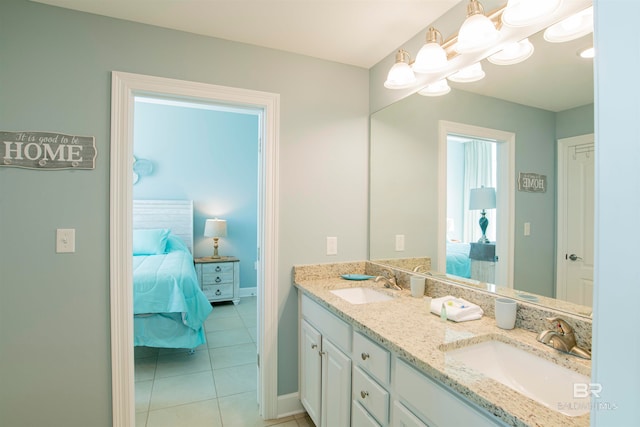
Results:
532 182
47 150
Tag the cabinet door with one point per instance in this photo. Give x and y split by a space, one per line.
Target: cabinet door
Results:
361 417
310 370
336 386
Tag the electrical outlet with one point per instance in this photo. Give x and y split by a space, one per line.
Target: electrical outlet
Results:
399 242
65 240
332 246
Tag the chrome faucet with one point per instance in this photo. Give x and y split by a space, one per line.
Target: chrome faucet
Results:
389 282
417 268
562 338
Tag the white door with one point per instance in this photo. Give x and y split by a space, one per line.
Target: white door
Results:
310 370
336 386
576 219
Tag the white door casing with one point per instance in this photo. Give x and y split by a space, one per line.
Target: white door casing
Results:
125 86
505 201
575 219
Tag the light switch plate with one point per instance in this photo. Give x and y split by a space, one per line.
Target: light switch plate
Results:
332 246
399 242
65 240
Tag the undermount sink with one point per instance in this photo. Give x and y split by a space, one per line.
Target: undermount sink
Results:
539 379
361 295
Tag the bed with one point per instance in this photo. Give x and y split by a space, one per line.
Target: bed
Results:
168 305
458 261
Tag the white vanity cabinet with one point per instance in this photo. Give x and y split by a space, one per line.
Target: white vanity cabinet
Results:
432 403
325 366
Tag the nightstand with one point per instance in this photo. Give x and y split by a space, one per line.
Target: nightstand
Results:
219 278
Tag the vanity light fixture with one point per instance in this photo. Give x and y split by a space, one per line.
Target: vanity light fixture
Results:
469 74
439 88
513 53
401 75
520 13
431 57
571 28
477 31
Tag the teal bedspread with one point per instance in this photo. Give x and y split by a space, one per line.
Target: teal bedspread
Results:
166 287
458 262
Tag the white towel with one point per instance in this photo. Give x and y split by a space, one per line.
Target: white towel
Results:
458 309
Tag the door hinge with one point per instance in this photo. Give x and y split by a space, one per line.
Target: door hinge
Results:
258 359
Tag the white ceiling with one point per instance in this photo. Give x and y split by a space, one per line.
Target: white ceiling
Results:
356 32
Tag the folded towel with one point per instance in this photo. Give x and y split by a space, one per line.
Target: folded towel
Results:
458 309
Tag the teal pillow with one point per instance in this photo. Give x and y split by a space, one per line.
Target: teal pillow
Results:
151 241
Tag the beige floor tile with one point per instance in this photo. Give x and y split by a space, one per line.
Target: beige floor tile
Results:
141 419
170 365
236 379
221 310
305 421
199 414
241 410
224 323
225 357
143 395
145 368
173 391
227 338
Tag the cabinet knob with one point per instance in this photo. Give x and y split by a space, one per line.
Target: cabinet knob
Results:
218 269
364 356
218 279
364 394
218 292
314 345
322 353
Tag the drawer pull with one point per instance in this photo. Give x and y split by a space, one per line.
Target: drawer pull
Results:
218 269
314 345
364 394
218 292
364 356
322 353
218 279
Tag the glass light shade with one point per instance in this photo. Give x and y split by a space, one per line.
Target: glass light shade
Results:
215 228
401 75
482 198
472 73
476 33
512 53
587 53
430 59
520 13
439 88
577 25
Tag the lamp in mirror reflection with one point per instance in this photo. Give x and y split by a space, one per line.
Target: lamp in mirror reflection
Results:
587 53
571 28
482 198
477 31
469 74
401 75
520 13
431 57
215 228
439 88
513 53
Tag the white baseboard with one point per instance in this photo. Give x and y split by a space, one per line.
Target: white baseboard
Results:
248 292
289 404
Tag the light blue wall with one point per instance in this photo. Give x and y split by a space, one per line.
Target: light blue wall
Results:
574 122
210 157
55 73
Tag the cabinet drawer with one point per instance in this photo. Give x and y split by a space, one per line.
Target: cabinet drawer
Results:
215 292
403 417
217 268
361 418
371 395
327 323
216 278
371 357
432 402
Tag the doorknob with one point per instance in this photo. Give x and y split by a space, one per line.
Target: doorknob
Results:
574 257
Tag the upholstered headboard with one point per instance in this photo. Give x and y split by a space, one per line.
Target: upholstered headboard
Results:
176 215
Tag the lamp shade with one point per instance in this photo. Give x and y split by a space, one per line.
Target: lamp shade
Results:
215 228
571 28
512 53
400 75
477 31
441 87
482 198
469 74
431 58
519 13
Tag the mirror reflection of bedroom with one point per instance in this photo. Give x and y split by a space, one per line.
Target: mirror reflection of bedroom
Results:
195 234
471 204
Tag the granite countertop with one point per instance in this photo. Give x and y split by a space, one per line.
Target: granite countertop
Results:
405 326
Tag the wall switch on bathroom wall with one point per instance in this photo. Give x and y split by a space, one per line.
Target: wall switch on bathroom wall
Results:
65 240
399 242
332 246
527 228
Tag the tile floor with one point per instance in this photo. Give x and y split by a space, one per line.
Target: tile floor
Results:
214 387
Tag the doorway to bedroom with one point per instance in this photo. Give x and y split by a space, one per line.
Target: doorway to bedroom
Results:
125 88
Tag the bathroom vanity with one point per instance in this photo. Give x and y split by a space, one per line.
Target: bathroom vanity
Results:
387 363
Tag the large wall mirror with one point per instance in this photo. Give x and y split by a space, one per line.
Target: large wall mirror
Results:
546 99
